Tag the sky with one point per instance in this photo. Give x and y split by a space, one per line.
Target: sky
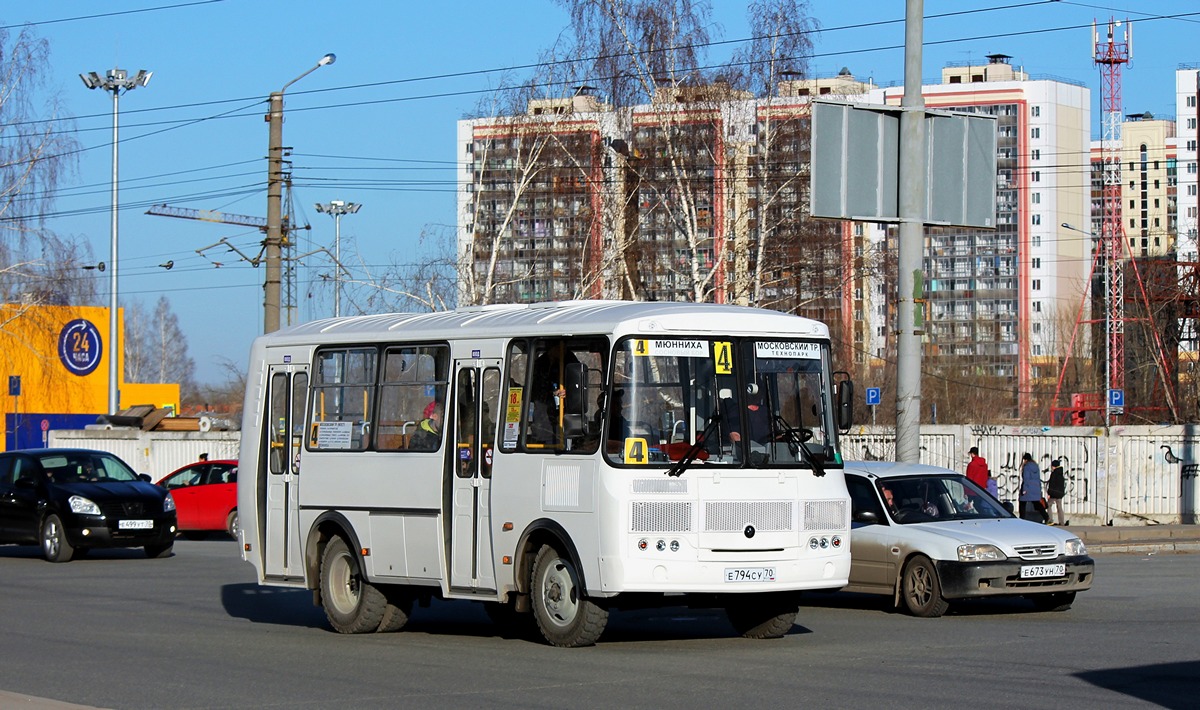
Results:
377 127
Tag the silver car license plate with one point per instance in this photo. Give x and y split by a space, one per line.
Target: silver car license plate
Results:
1039 571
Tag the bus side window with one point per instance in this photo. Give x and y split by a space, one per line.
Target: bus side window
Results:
414 379
560 400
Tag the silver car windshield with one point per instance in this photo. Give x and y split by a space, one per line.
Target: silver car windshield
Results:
923 499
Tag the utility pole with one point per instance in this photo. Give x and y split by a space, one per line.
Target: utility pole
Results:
337 208
274 242
911 282
114 81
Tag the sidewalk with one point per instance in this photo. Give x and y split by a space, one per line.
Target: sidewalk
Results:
1138 539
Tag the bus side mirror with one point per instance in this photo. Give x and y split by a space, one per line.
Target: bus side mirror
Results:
845 404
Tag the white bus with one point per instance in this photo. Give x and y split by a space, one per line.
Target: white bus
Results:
562 459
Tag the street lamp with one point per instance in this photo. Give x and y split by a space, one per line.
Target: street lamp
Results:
337 208
274 244
114 81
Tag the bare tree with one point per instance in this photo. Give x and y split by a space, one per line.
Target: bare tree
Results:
36 153
156 349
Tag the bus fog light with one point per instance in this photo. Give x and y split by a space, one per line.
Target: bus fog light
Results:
660 545
824 542
812 543
643 544
674 546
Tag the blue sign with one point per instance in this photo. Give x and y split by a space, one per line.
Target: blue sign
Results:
14 385
1116 398
79 347
874 396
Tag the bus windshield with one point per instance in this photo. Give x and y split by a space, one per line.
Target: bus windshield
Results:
760 401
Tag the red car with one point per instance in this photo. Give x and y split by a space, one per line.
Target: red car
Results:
205 496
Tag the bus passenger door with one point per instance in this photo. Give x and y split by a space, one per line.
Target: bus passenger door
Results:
285 440
469 468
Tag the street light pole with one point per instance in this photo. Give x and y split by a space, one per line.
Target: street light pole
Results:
114 81
337 208
274 243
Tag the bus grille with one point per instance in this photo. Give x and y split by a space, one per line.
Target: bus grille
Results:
661 516
824 514
734 516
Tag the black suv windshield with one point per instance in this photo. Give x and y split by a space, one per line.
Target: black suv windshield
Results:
85 467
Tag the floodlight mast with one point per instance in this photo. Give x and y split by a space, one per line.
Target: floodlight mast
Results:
114 81
337 208
274 241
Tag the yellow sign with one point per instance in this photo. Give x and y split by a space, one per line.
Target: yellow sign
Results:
636 451
641 347
512 411
723 358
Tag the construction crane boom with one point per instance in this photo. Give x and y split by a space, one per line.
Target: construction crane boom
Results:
209 216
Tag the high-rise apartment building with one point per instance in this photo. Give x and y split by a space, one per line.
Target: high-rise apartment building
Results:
702 194
1002 303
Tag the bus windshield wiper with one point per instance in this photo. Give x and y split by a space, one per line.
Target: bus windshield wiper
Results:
682 464
796 444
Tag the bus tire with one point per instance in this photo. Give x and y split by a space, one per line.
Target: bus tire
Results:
396 610
920 589
352 604
763 616
565 616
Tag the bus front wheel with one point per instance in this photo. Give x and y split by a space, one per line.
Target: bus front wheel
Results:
564 615
352 604
763 616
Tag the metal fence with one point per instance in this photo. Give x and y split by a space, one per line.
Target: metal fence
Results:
1126 475
155 453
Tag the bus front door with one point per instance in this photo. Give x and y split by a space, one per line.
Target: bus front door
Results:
469 469
281 500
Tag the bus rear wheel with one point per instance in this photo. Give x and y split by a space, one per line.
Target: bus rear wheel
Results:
564 615
352 604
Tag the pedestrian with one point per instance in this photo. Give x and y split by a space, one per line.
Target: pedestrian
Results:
1030 496
993 486
977 468
204 457
1056 490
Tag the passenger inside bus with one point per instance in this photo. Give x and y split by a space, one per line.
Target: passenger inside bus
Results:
429 432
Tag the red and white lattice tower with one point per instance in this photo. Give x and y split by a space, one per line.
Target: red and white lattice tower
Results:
1111 52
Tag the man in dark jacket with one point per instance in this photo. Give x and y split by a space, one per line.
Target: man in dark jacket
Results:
1056 489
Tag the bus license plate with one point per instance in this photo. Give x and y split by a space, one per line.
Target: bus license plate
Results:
749 574
1037 571
135 524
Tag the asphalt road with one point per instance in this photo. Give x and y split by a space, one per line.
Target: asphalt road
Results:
117 630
